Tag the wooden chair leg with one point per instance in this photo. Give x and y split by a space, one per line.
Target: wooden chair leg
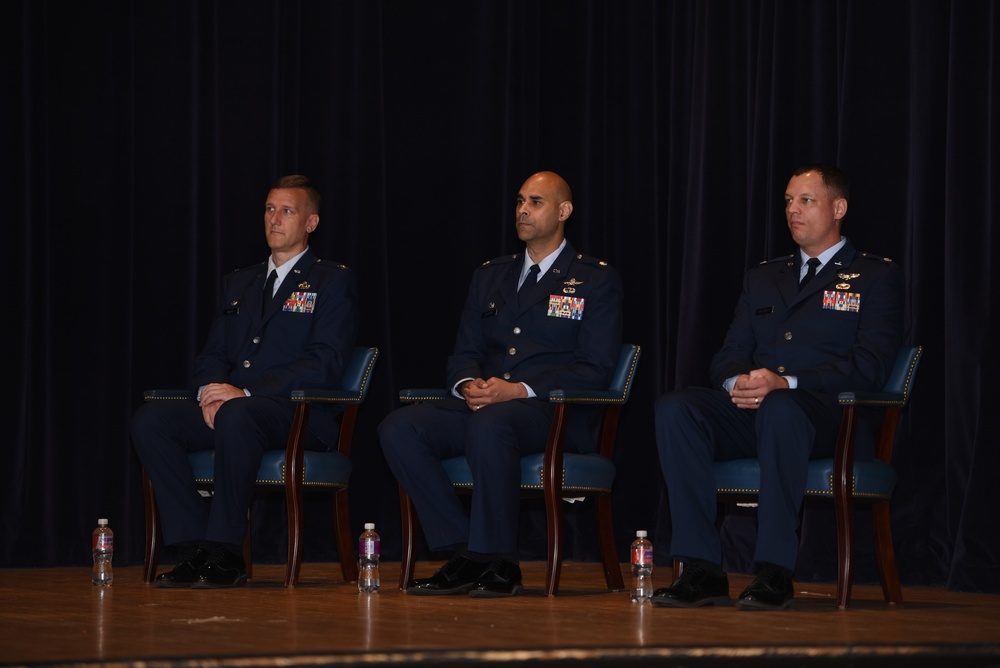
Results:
553 564
885 556
293 503
845 547
342 530
152 556
409 521
554 520
606 536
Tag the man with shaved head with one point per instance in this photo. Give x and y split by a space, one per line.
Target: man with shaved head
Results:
543 319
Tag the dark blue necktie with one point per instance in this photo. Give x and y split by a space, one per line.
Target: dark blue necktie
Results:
268 294
810 272
530 279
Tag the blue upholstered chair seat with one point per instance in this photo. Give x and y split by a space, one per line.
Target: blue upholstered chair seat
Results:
582 473
319 469
872 479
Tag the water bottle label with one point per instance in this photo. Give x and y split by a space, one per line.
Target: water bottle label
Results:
642 555
368 546
103 541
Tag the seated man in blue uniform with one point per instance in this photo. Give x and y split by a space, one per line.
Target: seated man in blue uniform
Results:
791 348
281 325
515 344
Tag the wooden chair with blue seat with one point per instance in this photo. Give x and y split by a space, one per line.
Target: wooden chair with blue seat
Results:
289 466
845 480
553 475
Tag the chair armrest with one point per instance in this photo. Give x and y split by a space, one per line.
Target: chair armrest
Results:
594 397
871 399
149 395
411 396
327 396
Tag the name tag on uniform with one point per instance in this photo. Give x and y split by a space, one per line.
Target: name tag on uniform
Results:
564 306
835 300
300 302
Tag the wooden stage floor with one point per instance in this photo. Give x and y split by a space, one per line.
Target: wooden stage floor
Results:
56 617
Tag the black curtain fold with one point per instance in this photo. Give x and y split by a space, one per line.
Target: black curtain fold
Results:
142 137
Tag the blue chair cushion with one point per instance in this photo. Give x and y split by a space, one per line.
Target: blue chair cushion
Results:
582 473
873 480
322 469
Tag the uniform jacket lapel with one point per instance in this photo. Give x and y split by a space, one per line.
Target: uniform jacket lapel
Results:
255 293
508 288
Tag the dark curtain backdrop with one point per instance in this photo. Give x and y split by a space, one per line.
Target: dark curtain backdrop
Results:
140 139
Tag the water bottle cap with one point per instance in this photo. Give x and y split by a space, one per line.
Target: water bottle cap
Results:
369 526
103 522
640 533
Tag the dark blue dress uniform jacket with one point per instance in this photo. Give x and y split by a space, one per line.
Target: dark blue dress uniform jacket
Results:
829 348
513 336
303 340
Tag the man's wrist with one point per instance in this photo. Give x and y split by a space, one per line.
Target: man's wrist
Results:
459 389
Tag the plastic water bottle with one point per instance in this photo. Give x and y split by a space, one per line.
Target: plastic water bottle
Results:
642 568
368 551
103 546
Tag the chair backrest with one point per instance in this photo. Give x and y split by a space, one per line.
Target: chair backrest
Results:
358 371
904 371
354 382
896 391
621 382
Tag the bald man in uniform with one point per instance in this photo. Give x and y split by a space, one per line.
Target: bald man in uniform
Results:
543 319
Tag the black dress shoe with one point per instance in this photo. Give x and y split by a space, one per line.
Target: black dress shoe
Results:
502 578
186 570
697 586
222 569
771 590
456 577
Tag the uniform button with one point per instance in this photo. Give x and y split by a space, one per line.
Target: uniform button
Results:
506 376
788 336
256 339
517 330
781 369
512 351
246 364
